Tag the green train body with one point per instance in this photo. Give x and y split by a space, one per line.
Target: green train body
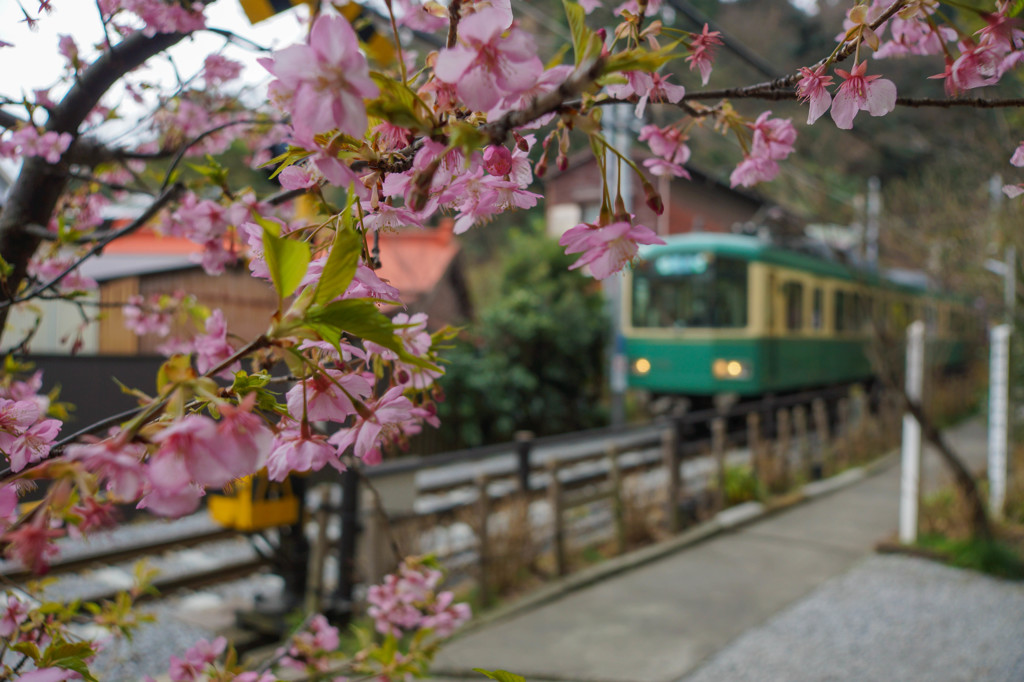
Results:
708 313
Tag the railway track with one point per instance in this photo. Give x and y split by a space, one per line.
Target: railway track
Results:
200 558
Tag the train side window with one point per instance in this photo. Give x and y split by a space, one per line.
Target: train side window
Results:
793 292
867 313
817 309
840 309
931 319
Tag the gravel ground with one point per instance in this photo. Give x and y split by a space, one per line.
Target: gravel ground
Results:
891 618
180 623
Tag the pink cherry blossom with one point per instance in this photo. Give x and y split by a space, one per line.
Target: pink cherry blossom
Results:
660 91
115 461
488 63
417 17
212 348
294 450
1018 156
219 69
32 543
49 674
858 92
384 415
813 88
171 491
33 445
914 36
702 54
15 417
296 177
163 17
8 504
323 84
977 66
669 143
662 167
328 396
1001 31
773 137
752 170
15 613
606 248
545 83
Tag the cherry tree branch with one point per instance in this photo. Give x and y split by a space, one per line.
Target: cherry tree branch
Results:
10 121
453 22
40 185
205 134
166 197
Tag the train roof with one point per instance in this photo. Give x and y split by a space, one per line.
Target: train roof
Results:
753 248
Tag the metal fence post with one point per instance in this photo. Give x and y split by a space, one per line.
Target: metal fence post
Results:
524 444
341 607
670 459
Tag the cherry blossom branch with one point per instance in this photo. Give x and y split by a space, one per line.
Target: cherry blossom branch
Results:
58 447
790 81
782 95
203 135
453 22
166 197
39 186
551 102
10 121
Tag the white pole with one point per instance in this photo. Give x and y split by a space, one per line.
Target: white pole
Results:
911 455
998 408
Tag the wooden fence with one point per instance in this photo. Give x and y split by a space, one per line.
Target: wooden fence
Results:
507 529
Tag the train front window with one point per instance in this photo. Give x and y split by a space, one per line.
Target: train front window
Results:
684 290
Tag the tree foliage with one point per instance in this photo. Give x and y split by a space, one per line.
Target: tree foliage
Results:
534 360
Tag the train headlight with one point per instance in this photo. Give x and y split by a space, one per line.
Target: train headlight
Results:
730 369
642 366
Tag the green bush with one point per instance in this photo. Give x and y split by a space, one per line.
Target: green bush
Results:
535 360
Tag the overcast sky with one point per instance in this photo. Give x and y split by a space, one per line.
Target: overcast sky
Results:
34 62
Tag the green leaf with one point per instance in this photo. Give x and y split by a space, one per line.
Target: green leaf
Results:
340 267
501 675
1015 8
585 43
175 370
287 259
639 59
399 105
357 317
466 136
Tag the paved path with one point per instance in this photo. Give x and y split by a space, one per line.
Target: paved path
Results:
659 622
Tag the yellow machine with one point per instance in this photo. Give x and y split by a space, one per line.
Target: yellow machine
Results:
376 45
255 503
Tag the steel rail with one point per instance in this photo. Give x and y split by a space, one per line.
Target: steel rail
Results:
124 553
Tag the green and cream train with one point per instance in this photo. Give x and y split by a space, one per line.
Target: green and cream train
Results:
708 314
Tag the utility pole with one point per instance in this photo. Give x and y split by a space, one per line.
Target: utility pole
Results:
874 212
616 122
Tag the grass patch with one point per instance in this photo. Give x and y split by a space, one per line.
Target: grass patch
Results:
993 557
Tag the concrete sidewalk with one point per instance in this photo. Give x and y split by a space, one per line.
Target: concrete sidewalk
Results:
661 620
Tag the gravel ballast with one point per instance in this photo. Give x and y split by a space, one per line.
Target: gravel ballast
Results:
891 618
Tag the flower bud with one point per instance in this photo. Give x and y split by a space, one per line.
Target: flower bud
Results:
653 199
521 143
542 167
498 160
